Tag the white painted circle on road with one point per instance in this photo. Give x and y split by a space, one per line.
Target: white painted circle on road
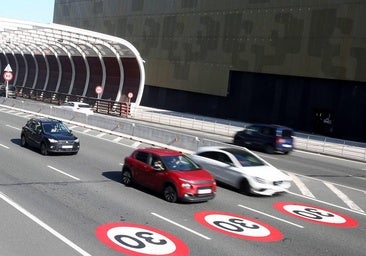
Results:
134 239
315 214
238 226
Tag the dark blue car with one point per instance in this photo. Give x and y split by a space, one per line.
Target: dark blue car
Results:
269 138
49 135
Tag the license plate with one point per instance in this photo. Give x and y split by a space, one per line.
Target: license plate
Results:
287 145
205 191
67 146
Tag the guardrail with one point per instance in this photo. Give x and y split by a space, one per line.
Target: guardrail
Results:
108 107
126 127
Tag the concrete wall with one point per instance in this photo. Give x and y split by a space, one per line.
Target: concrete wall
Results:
191 45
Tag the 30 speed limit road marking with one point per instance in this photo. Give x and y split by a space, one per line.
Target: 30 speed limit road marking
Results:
315 214
238 226
134 239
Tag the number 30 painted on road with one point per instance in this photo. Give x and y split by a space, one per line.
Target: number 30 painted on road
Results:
315 214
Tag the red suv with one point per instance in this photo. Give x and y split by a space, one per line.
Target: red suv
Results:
170 172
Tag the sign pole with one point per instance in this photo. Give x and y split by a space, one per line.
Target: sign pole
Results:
8 75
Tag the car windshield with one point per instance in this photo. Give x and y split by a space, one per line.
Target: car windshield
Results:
181 163
83 106
55 128
245 158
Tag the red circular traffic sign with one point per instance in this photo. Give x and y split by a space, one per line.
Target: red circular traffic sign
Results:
98 89
8 76
316 214
137 240
238 226
130 95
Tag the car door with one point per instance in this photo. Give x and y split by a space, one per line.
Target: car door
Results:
32 132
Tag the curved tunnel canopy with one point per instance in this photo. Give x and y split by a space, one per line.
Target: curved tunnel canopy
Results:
64 59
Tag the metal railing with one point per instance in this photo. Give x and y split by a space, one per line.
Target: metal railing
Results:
108 107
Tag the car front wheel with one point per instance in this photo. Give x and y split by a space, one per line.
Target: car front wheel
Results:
126 177
23 141
170 194
245 187
44 150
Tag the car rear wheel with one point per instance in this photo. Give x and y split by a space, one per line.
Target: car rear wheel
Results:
23 141
269 149
170 194
126 177
44 150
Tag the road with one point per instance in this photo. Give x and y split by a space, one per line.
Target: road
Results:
76 205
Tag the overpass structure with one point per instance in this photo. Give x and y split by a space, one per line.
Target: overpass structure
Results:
64 59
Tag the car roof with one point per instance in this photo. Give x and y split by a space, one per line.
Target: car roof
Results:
271 125
161 151
45 120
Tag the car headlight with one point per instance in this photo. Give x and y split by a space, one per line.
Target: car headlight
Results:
260 180
52 140
76 141
185 183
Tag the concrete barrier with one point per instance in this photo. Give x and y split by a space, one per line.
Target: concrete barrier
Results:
166 138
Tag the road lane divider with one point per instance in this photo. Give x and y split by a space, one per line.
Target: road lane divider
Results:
181 226
43 225
271 216
301 186
343 197
62 172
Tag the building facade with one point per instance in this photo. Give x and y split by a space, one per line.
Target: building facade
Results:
292 62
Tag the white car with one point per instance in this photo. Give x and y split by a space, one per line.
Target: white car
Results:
242 169
78 107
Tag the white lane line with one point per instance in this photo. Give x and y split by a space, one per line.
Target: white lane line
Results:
1 145
64 173
100 135
13 127
43 225
323 202
86 130
181 226
276 218
117 139
303 189
136 144
343 197
337 184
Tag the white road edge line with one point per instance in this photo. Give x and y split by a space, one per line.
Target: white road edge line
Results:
343 197
303 189
323 202
181 226
4 146
43 225
64 173
288 222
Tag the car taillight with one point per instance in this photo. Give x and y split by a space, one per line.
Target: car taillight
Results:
280 140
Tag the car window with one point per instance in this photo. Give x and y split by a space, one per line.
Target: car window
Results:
245 158
143 157
218 156
286 133
84 105
181 163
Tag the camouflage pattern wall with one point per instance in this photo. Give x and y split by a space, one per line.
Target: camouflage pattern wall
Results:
192 45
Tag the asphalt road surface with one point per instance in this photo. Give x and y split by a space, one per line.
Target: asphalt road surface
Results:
76 205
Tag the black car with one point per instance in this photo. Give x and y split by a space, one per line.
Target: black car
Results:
49 135
267 137
12 91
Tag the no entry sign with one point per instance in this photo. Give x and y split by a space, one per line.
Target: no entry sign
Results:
315 214
238 226
134 239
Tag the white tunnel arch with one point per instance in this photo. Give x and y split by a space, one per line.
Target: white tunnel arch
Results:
70 46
